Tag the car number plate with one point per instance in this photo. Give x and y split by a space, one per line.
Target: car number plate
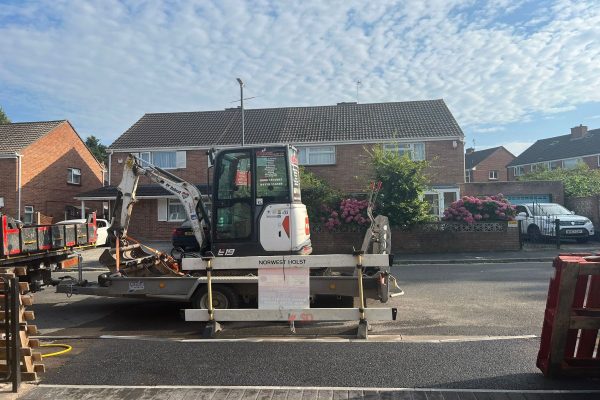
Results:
189 234
573 231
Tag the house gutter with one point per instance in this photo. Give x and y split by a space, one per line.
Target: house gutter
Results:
19 158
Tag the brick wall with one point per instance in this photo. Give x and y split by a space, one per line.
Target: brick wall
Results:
496 161
145 225
8 185
554 188
45 167
416 241
352 171
194 172
588 206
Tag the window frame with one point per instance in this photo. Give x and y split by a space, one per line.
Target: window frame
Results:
304 154
177 203
71 175
468 175
411 149
493 175
30 213
519 170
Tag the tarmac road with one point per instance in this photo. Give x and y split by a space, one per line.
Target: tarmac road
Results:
459 326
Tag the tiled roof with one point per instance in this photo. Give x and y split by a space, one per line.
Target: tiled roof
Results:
560 147
474 158
152 190
340 123
16 136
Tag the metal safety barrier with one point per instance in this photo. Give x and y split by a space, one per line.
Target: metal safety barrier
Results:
11 344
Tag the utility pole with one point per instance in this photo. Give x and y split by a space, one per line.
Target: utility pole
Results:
358 85
242 108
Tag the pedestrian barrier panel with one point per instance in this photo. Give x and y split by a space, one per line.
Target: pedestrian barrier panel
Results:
569 341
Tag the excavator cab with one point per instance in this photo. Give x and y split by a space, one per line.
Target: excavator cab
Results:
256 203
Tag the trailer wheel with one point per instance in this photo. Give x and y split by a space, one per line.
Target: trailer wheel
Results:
223 297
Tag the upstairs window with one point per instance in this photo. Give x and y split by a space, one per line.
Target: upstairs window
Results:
74 176
163 159
414 151
316 155
493 175
468 175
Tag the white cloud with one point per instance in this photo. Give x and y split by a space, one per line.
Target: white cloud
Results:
103 64
515 147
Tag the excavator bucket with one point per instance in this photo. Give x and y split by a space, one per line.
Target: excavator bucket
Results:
134 261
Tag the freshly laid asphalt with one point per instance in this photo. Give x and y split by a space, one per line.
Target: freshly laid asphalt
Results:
501 364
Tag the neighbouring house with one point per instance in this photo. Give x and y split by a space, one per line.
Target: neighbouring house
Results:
43 166
332 141
487 165
581 146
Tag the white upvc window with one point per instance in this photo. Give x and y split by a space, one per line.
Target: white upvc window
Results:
415 151
468 175
518 171
493 175
316 155
171 210
28 215
539 167
552 165
571 163
176 211
74 176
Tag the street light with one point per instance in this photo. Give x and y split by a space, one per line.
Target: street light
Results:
242 107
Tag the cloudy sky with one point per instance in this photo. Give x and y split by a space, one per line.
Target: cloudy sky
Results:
511 71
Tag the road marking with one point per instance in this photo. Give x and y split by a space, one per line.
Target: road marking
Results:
305 339
380 389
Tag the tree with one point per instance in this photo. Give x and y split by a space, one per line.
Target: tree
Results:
97 148
402 196
3 117
580 181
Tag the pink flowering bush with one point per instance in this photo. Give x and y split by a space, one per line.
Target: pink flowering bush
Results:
472 209
349 212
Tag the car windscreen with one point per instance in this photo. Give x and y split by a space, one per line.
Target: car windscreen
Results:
550 209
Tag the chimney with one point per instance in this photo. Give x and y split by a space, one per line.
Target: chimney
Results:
578 132
470 150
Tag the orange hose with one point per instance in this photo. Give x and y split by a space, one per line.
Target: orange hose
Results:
118 256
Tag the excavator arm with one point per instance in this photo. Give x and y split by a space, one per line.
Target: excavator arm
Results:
189 196
127 256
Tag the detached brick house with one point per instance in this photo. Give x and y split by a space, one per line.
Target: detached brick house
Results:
487 165
43 166
332 141
581 146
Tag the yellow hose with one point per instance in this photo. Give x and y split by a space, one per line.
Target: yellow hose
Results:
66 348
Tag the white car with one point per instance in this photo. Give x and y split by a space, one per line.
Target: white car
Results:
101 228
539 219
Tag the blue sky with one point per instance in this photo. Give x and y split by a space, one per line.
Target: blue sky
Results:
511 71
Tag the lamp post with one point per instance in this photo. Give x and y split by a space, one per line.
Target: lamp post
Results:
242 108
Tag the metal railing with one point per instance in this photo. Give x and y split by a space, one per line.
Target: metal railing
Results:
10 330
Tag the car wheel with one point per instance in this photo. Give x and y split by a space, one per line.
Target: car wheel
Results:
223 297
534 233
583 240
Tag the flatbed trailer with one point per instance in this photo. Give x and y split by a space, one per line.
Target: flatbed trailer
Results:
341 275
40 247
